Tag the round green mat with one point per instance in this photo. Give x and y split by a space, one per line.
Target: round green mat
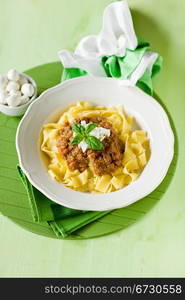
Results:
13 199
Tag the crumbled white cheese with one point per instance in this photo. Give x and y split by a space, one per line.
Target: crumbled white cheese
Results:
99 132
83 145
84 124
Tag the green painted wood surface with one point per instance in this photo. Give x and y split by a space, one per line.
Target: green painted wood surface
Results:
152 246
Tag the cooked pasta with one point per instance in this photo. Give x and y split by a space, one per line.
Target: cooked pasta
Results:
104 162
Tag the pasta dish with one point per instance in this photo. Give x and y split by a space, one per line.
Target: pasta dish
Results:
94 148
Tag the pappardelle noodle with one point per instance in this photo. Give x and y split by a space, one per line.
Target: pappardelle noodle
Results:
94 149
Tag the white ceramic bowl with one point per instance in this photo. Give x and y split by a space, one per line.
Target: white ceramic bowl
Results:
20 110
105 91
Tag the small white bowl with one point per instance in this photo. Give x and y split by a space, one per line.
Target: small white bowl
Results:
20 110
149 115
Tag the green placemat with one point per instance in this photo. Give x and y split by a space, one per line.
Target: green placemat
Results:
13 198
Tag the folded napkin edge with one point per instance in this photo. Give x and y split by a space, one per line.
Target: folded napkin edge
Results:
29 190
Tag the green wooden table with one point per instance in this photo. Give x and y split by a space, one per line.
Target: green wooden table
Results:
31 33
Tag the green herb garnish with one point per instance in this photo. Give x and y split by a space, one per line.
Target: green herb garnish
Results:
94 143
77 139
90 127
78 129
82 133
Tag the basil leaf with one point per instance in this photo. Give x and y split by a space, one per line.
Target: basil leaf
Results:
77 139
90 127
94 143
78 128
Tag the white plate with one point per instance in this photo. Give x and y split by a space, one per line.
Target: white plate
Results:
99 91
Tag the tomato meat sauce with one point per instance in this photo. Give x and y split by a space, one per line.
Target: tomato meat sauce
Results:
104 161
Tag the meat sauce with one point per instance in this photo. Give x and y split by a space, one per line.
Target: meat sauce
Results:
105 161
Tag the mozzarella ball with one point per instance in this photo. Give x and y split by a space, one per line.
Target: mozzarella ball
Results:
12 86
3 81
3 96
13 74
16 93
24 99
27 89
2 89
13 100
22 80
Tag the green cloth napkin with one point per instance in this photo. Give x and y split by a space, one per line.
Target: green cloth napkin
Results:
122 67
63 220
